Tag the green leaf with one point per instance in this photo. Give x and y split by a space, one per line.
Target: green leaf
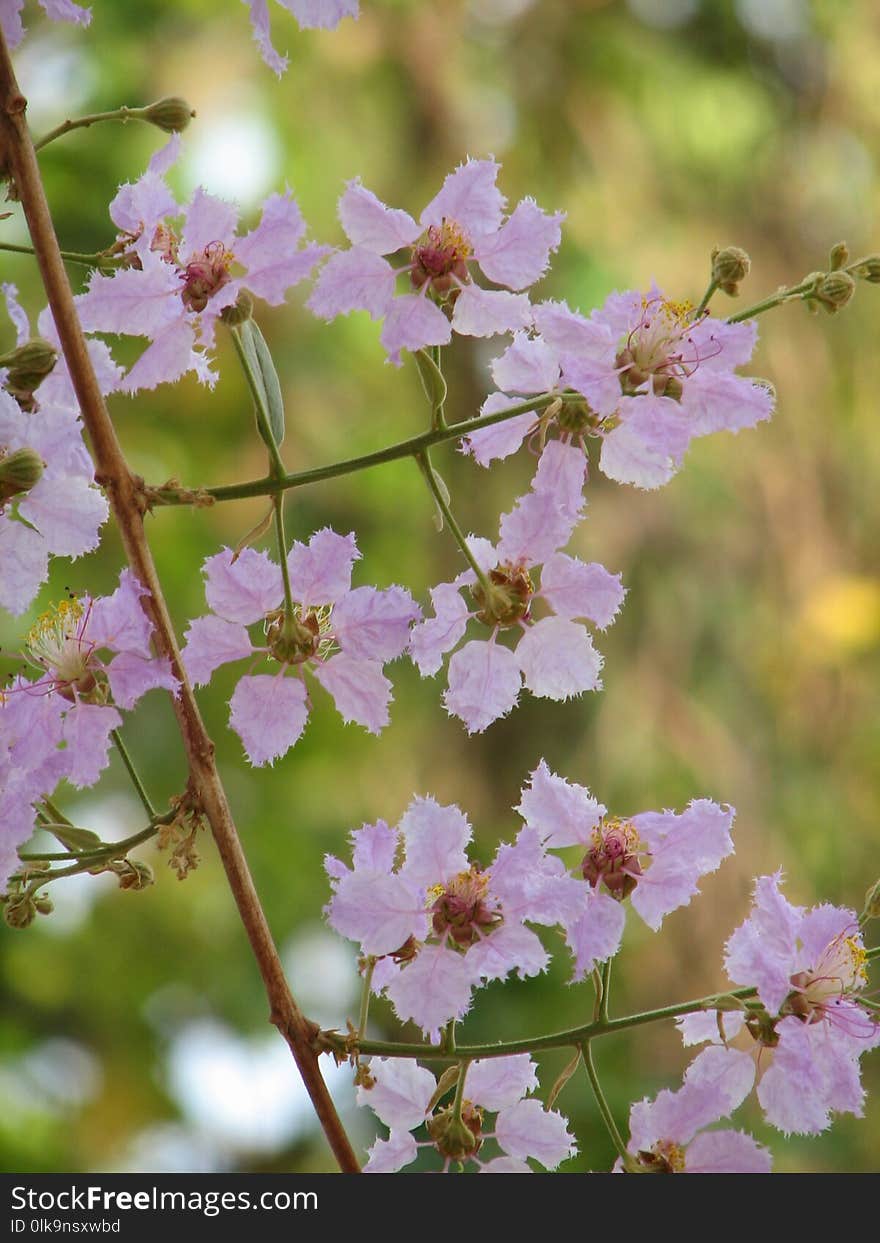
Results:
265 379
432 379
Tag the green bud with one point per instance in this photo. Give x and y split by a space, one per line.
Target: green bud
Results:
870 269
872 903
171 114
28 365
457 1137
730 266
834 291
19 472
838 256
242 310
44 905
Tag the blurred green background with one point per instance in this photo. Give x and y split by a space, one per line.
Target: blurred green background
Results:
746 663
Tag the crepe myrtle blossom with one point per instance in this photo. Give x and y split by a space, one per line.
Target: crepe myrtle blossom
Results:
668 1135
55 10
49 505
439 924
809 969
342 635
180 279
463 226
553 655
655 859
310 14
652 377
401 1096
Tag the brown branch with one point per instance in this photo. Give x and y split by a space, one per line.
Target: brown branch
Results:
18 158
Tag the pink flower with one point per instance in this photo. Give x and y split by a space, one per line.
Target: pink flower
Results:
439 924
554 655
343 636
668 1136
31 765
310 14
180 281
809 968
401 1096
462 226
655 858
55 10
652 380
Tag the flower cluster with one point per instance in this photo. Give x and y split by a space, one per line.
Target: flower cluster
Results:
341 635
404 1096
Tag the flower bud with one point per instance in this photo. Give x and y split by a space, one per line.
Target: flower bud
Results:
870 269
242 309
171 114
730 266
133 874
457 1137
872 903
838 256
19 911
19 472
834 291
28 366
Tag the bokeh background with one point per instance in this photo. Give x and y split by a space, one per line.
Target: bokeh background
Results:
745 666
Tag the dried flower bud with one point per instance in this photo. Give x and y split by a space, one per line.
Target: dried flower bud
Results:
19 472
171 114
730 266
133 874
19 910
870 269
872 903
834 291
242 309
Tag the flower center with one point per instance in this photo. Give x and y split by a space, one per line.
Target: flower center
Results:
839 972
204 275
457 1138
657 349
460 910
55 642
440 257
300 637
664 1157
508 601
612 860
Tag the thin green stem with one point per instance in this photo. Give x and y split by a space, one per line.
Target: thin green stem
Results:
276 462
365 996
459 1089
133 773
706 299
57 813
766 304
606 991
439 417
604 1108
116 114
278 503
72 256
393 453
108 849
438 491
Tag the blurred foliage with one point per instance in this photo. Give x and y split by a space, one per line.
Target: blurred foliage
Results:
746 663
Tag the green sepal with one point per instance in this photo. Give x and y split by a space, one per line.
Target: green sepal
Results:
266 378
77 839
432 379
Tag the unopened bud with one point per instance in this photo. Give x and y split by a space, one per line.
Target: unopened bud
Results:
872 903
134 875
19 472
870 269
171 114
19 911
730 266
241 310
834 291
28 365
838 256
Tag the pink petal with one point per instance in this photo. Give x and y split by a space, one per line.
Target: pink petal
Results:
558 659
510 947
374 846
24 565
378 910
118 621
208 219
369 223
67 512
820 927
562 812
411 323
401 1092
562 471
387 1156
139 207
87 734
575 589
534 529
170 356
271 253
519 253
485 312
359 688
683 848
14 310
436 842
136 302
433 989
498 1082
527 366
320 571
131 676
532 885
567 332
259 14
501 439
432 638
375 624
268 714
703 1026
647 447
320 14
727 1152
596 936
506 1165
526 1129
484 684
353 280
718 401
719 346
470 198
763 950
210 643
242 589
